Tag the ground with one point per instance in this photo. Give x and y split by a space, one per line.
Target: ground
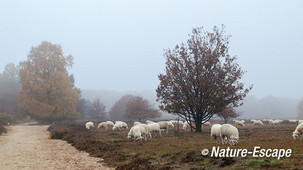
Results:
28 146
182 150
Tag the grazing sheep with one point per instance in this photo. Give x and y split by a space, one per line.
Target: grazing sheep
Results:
149 122
300 121
110 123
120 125
176 123
154 128
275 122
215 132
136 123
292 121
229 132
89 125
239 122
206 124
298 132
137 132
165 125
258 122
185 126
103 125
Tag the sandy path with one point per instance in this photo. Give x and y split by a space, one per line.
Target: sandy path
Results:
29 147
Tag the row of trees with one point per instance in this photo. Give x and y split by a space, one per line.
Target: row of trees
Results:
201 79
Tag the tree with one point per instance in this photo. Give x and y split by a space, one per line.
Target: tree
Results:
47 92
201 78
139 108
227 113
300 109
9 87
117 111
98 111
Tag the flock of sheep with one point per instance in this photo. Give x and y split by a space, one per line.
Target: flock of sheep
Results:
227 133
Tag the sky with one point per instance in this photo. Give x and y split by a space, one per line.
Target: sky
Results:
119 44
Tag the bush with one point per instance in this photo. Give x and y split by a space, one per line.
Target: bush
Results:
5 118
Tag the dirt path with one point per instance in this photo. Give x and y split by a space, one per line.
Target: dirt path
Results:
29 147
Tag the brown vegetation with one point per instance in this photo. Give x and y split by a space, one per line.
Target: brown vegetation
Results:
182 150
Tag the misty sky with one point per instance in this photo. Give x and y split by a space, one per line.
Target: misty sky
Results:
118 45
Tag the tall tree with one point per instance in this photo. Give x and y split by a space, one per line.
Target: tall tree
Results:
201 78
300 109
47 92
9 87
227 113
117 111
98 111
139 108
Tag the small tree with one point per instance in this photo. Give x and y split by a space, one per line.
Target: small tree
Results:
227 114
98 111
139 108
117 111
201 78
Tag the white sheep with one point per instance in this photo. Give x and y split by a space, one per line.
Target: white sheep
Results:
206 124
185 126
89 125
300 121
149 122
165 125
274 122
229 132
258 122
138 132
298 132
136 123
292 121
215 132
239 122
154 128
176 123
106 124
120 125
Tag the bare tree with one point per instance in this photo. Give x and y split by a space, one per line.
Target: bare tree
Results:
98 111
117 111
201 78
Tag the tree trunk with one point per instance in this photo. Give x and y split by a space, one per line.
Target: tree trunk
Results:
198 126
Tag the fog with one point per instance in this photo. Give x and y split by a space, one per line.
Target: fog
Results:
118 45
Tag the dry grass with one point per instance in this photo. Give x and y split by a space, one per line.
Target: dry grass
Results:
182 150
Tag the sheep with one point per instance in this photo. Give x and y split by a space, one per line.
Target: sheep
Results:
258 122
106 124
292 121
185 126
137 132
229 133
176 123
89 125
275 122
149 122
206 124
239 122
215 132
120 125
165 124
110 123
154 128
300 121
298 132
136 123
